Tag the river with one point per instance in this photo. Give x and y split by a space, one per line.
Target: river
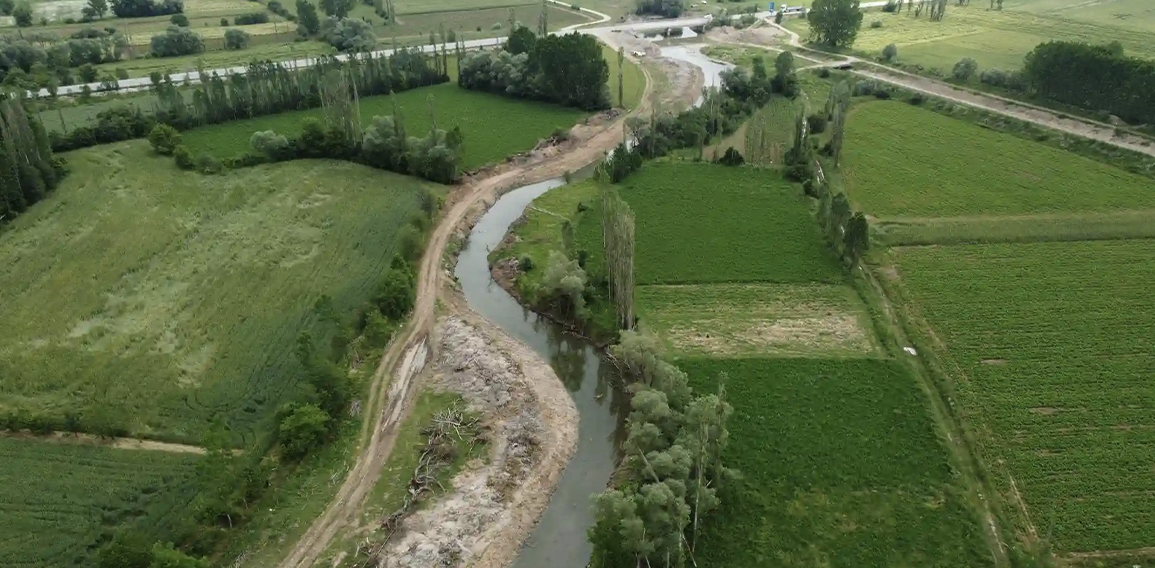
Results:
559 540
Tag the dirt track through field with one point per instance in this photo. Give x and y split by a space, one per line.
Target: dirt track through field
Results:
114 443
993 103
587 145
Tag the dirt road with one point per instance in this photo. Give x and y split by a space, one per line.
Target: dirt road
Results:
993 103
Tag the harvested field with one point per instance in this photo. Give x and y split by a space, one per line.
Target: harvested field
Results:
734 320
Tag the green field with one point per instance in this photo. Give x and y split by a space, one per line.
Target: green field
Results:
176 298
1052 346
1003 39
840 467
59 500
495 127
700 223
904 161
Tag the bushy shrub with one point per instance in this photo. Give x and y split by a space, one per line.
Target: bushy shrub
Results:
176 41
889 52
732 157
302 428
348 34
816 123
271 144
209 164
164 139
183 158
236 39
964 69
251 19
876 24
179 20
525 264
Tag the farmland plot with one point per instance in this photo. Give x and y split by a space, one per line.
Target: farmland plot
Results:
59 499
902 161
1053 347
494 126
840 467
701 223
177 298
729 320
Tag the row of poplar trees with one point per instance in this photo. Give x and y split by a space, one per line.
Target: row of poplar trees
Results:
265 88
28 170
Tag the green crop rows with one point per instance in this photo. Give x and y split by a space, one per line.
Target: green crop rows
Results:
494 126
704 223
1054 344
840 467
910 162
176 298
58 499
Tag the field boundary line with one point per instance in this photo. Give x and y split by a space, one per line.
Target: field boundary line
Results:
1148 551
81 439
942 407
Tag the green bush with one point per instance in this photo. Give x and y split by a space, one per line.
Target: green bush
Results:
302 428
183 158
164 139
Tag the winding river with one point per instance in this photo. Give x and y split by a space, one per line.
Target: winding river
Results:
559 540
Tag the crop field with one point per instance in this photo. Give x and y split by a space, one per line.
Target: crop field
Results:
58 500
734 320
699 223
1138 14
911 162
177 298
999 39
1053 349
840 467
495 127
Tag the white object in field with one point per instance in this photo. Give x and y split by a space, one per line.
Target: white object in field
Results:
910 350
639 54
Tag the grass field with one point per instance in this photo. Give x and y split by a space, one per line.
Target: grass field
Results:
1052 348
700 223
909 162
1002 39
736 320
840 467
495 127
59 500
177 298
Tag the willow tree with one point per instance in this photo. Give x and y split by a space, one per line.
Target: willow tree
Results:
839 105
618 239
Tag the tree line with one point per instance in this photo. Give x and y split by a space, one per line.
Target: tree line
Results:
1097 77
568 69
28 170
265 88
671 471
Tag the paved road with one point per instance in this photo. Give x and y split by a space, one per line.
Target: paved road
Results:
142 83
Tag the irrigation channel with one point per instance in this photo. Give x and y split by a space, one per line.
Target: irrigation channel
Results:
559 540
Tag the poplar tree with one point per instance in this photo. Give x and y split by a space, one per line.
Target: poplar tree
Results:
543 20
621 73
618 240
839 105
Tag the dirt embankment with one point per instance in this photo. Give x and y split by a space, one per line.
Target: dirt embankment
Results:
532 425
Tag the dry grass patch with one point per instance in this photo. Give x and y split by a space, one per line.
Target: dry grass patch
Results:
757 319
